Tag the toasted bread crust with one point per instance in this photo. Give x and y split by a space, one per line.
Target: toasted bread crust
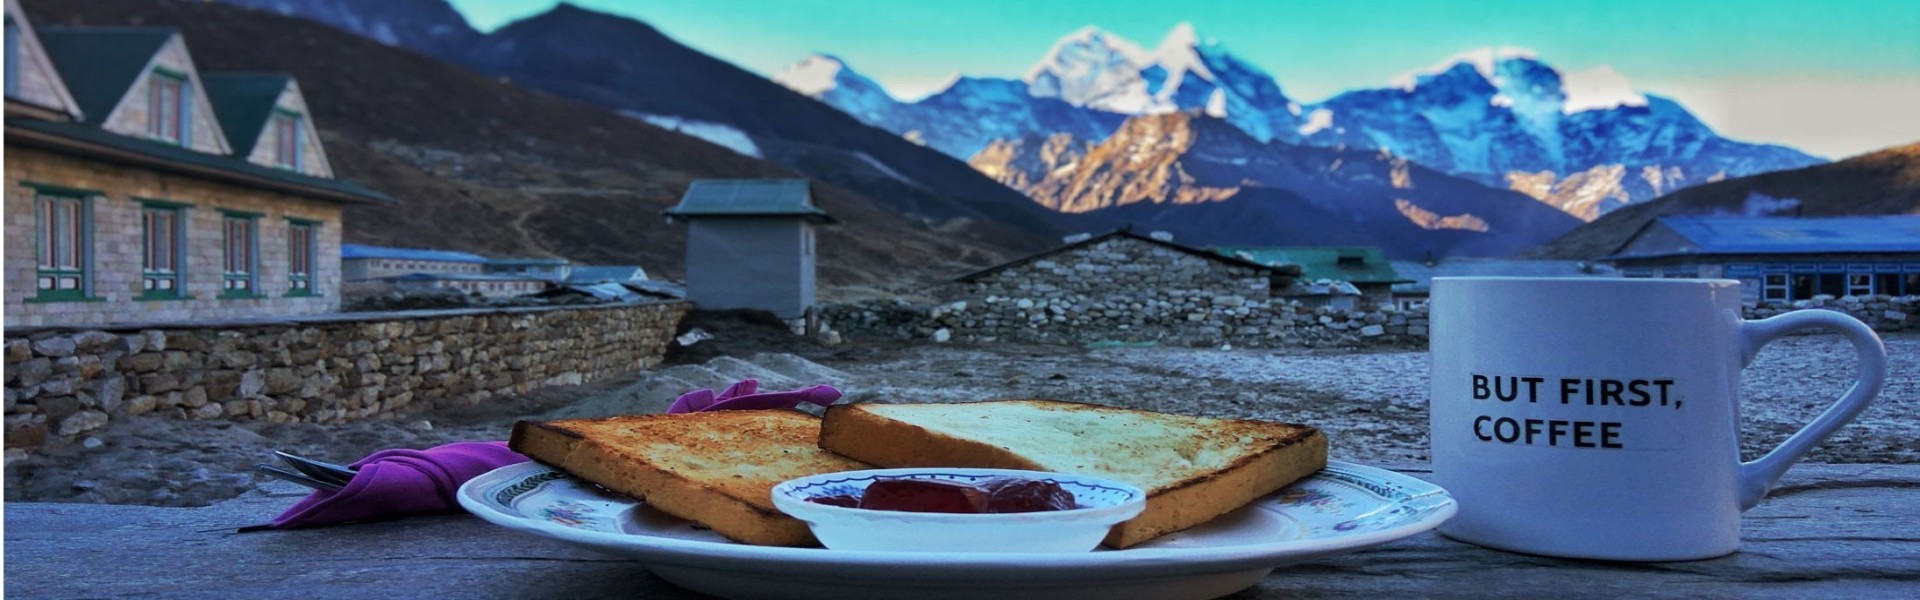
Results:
736 505
1279 454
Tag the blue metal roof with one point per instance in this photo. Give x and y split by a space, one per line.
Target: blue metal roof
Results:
358 251
597 274
1784 235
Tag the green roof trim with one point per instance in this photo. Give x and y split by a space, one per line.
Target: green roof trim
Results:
304 222
240 214
99 64
748 198
245 102
1362 264
94 141
61 190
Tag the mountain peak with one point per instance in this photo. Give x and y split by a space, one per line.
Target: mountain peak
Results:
1483 60
1181 36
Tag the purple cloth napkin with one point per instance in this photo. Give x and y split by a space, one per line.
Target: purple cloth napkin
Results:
399 483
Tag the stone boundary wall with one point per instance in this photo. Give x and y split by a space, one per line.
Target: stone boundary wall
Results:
1223 320
1197 321
63 382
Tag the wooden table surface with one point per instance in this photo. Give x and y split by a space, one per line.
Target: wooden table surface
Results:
1828 531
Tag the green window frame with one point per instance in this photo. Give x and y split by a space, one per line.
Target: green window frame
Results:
63 242
303 257
287 134
170 107
163 250
240 254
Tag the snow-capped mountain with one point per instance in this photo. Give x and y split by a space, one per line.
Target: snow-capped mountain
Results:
1583 141
826 78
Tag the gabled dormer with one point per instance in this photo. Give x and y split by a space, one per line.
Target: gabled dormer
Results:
265 118
34 87
138 82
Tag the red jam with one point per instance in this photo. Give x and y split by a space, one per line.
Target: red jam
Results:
996 495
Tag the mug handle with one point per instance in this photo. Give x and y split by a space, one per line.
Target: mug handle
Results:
1757 477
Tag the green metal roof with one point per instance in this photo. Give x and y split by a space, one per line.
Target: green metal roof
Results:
1363 264
100 64
747 198
244 102
96 141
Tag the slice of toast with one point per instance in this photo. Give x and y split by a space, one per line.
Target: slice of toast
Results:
1193 468
717 468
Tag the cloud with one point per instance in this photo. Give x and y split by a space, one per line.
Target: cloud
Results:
1834 117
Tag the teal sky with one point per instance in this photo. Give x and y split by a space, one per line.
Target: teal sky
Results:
1833 78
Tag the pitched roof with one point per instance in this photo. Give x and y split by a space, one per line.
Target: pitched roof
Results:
1363 264
94 141
244 101
1705 235
1289 270
362 251
1420 274
100 64
28 45
748 198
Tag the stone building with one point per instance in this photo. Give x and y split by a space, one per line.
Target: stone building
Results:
750 244
1781 259
360 262
1122 285
137 189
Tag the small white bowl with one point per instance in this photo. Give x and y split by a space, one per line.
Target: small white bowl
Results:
1103 503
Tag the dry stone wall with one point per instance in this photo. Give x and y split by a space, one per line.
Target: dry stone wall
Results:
62 383
1883 313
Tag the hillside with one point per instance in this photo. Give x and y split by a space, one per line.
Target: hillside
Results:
1886 182
486 166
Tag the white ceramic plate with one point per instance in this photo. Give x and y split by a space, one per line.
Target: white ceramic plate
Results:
1343 508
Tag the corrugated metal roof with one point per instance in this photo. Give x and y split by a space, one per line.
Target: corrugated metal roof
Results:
1789 235
1422 274
1362 264
1079 242
359 251
747 197
597 274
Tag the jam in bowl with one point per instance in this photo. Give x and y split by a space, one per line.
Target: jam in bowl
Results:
959 510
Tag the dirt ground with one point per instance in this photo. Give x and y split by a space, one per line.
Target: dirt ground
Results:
1372 404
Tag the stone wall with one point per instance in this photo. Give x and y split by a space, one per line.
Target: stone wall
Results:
62 382
1245 323
118 251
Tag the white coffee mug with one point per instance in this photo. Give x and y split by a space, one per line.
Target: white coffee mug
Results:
1599 418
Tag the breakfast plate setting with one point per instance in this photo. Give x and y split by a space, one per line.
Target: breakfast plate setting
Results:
1342 508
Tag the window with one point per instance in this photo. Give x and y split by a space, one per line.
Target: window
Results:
1776 287
1801 286
1833 284
64 228
240 243
286 140
301 257
168 108
1887 284
1859 284
163 250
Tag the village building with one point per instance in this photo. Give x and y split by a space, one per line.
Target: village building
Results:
750 244
131 195
1344 277
1418 276
361 262
1124 285
606 274
1781 259
548 269
485 284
